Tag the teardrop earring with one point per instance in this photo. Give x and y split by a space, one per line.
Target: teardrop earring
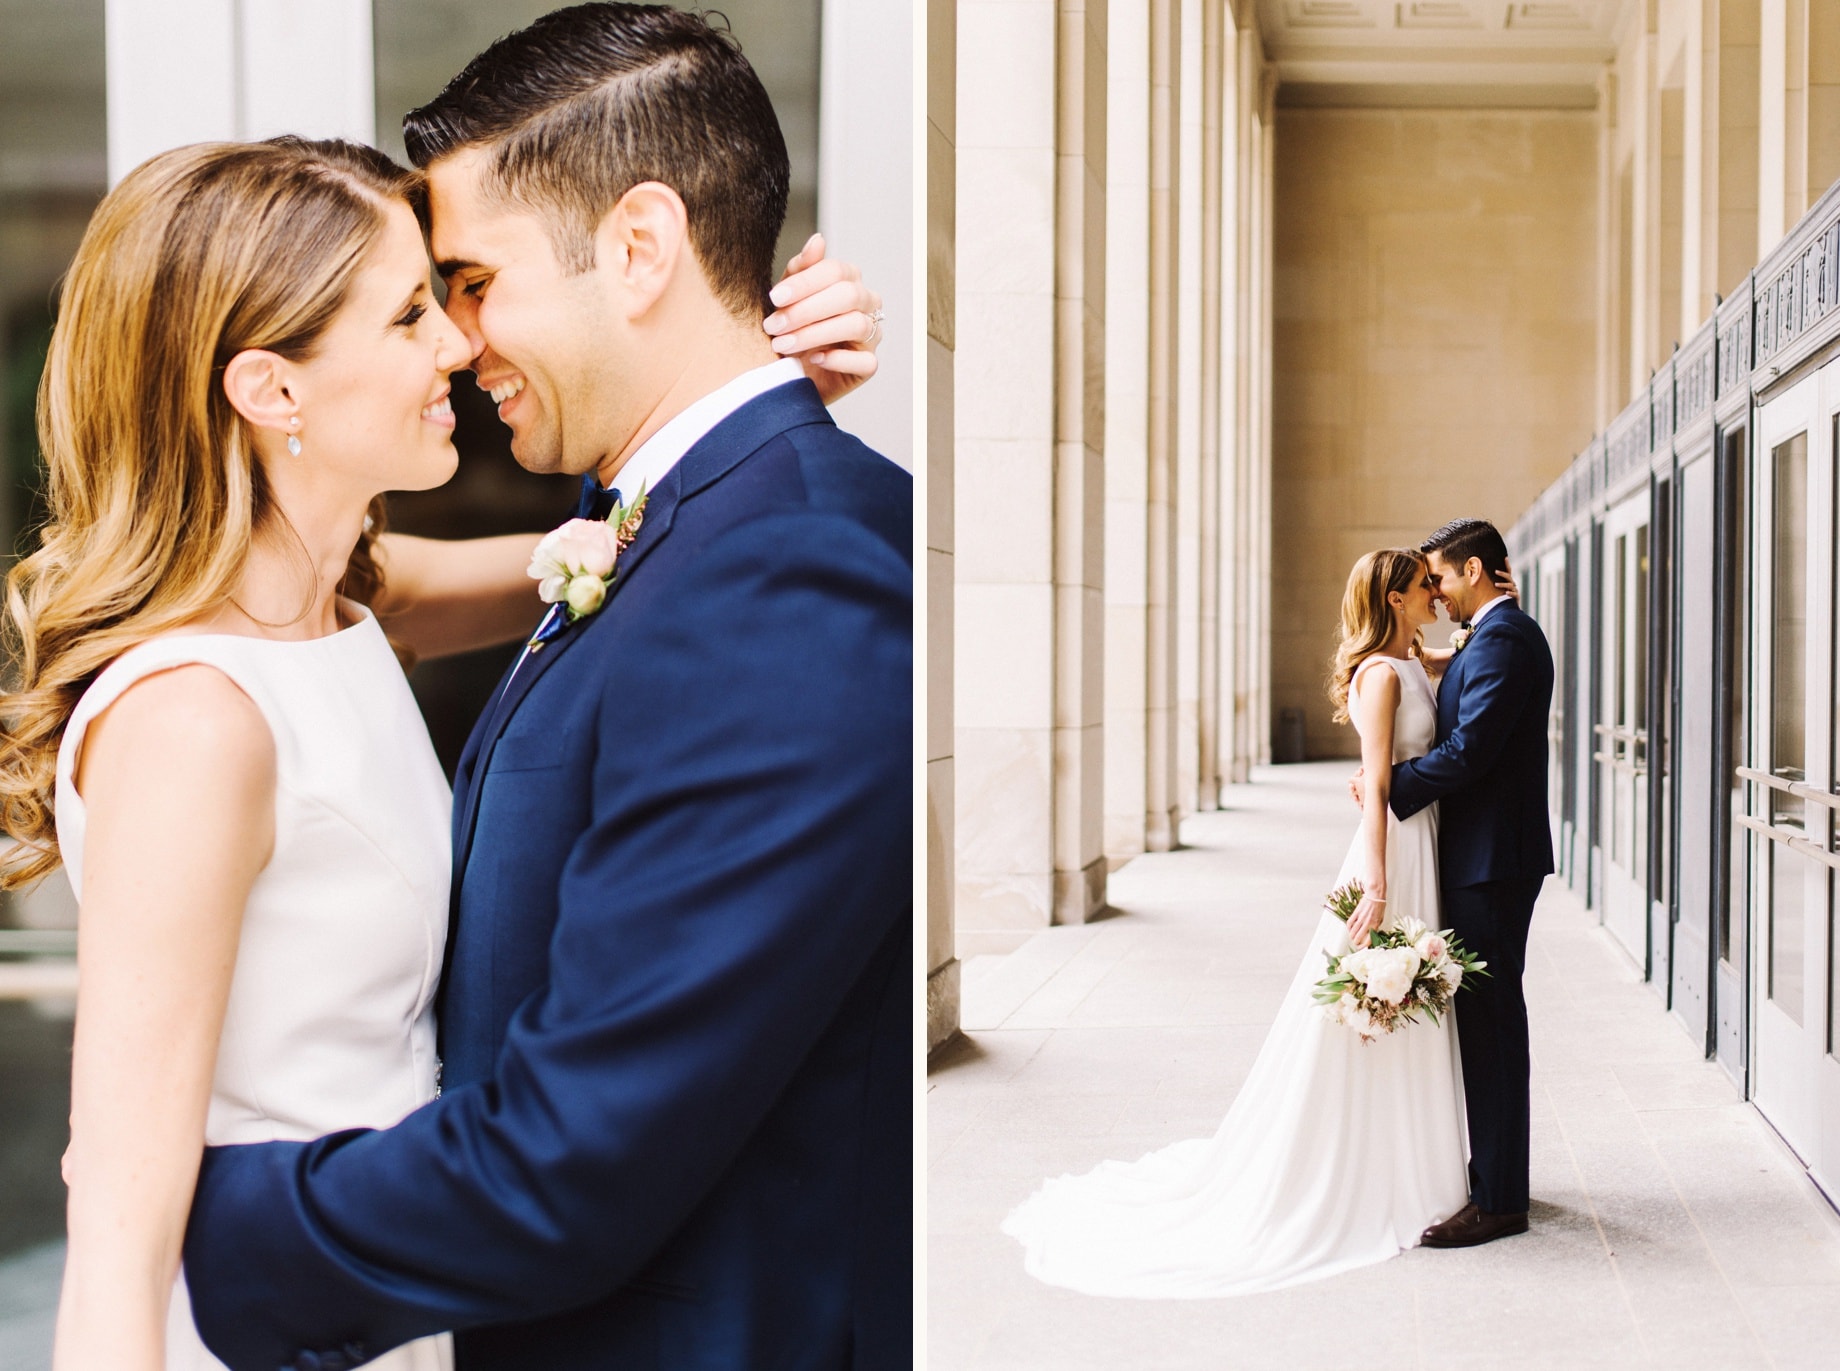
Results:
294 438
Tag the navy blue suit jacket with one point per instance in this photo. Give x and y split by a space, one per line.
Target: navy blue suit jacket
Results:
1490 757
677 1020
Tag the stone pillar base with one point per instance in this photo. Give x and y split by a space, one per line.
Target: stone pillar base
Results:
1160 830
1207 800
941 1005
1079 896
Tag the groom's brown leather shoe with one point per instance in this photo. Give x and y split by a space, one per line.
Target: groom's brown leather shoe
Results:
1470 1227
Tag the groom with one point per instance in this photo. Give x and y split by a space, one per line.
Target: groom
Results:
677 1014
1494 852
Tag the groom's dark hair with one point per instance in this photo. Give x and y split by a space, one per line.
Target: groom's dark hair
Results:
1461 539
589 101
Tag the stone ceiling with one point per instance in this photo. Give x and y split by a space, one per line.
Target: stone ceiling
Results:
1442 52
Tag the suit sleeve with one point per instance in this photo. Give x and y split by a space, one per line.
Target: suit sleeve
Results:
745 860
1497 685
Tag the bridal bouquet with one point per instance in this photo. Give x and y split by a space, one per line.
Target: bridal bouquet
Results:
1401 973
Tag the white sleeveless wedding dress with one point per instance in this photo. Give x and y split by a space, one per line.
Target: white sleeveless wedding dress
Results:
1335 1153
330 1022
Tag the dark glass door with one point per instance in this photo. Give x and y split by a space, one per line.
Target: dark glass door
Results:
1695 765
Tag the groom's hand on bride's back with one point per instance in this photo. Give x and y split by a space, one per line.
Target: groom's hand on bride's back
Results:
828 319
1354 786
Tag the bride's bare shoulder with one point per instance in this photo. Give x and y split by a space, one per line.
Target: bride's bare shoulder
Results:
188 717
1376 689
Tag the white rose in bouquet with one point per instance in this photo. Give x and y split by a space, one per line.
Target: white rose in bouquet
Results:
1453 976
1390 973
1413 930
1429 946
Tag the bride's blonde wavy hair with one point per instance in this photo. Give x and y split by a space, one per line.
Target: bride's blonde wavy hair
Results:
154 487
1367 619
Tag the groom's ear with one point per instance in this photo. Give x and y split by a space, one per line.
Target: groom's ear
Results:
644 240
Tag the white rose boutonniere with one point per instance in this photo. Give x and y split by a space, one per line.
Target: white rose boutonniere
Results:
574 565
1458 637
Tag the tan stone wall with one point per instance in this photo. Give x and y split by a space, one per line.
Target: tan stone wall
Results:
1434 302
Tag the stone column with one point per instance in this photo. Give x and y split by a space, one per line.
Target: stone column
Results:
1259 613
1645 322
1240 361
1127 421
1190 217
1610 362
189 71
1772 123
1160 815
1823 97
1797 192
1004 486
1079 464
942 967
1729 112
1208 502
1029 417
1801 41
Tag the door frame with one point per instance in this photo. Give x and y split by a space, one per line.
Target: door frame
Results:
1785 1054
1619 752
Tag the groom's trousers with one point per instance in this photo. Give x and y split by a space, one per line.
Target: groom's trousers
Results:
1492 920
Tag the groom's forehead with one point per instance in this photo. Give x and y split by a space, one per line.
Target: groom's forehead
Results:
463 222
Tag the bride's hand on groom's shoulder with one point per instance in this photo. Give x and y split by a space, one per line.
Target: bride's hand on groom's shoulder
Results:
828 319
1354 787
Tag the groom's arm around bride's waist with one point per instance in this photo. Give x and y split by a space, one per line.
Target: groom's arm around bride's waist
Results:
742 889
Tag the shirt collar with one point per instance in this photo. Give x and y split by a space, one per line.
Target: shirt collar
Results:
1475 620
665 448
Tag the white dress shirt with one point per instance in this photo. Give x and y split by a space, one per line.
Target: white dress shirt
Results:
665 448
1475 620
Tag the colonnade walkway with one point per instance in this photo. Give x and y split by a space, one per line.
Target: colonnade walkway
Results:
1671 1228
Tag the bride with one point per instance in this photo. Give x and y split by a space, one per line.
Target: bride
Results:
1336 1153
209 728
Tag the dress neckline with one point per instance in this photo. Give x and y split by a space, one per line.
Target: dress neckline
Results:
361 616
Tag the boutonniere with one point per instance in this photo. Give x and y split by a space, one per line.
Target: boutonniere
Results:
1458 637
575 564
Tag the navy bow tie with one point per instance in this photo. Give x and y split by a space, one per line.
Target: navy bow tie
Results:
597 502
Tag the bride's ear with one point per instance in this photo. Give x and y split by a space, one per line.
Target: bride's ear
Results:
256 384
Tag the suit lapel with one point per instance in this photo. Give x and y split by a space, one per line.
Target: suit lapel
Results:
1451 692
660 512
712 457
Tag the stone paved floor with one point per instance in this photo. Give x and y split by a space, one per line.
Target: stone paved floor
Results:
1671 1227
